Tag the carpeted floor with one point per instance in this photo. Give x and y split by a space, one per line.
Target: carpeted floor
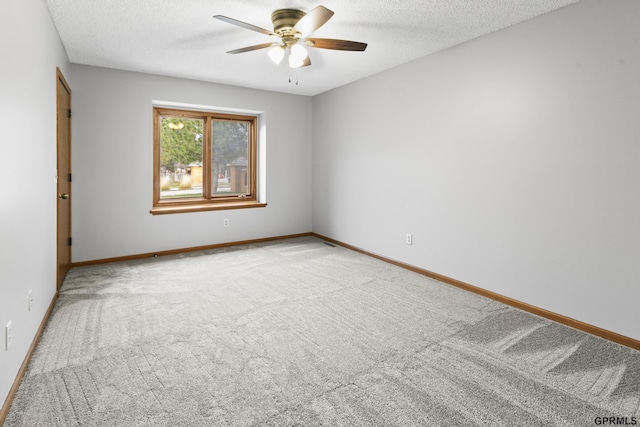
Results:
298 332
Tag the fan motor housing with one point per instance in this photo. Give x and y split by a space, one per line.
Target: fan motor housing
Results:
284 20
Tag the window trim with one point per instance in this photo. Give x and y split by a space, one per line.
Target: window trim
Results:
206 202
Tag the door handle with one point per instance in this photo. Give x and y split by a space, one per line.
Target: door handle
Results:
63 196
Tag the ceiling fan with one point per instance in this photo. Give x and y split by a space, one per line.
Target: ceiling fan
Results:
292 27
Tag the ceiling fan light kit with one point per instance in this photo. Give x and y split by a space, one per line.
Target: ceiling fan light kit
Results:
276 54
292 27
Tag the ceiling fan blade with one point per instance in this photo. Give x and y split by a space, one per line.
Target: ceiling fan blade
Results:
254 47
313 20
245 25
336 44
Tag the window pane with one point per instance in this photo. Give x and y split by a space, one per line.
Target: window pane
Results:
230 154
180 158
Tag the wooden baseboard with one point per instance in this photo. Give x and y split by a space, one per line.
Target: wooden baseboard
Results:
16 383
185 250
576 324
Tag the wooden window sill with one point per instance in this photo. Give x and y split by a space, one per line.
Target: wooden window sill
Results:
203 207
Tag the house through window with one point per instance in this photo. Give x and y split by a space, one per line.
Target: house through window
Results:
204 161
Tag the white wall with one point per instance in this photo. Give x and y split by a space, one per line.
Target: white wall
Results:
113 165
513 159
31 51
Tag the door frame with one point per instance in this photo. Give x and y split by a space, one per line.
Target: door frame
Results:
63 178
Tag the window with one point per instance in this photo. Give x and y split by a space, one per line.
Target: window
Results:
203 161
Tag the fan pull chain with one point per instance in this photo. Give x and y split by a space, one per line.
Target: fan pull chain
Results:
291 81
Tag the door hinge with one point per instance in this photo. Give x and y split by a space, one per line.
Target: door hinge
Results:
69 241
69 112
69 177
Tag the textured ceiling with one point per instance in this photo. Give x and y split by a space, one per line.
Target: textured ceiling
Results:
180 38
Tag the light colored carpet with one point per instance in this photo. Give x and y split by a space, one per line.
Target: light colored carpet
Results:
298 332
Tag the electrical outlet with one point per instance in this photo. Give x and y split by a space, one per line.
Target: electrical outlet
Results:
8 336
409 239
226 222
30 298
